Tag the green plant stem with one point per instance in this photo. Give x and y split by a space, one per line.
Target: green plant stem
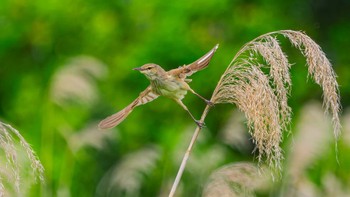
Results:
187 154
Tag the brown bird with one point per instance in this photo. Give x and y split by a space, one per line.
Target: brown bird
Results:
172 84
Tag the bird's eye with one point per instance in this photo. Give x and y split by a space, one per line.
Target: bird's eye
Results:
149 68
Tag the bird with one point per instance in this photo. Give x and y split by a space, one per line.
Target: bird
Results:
172 84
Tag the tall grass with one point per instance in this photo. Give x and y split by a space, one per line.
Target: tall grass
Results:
263 96
18 158
238 179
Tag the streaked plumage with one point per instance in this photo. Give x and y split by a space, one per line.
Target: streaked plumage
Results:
171 84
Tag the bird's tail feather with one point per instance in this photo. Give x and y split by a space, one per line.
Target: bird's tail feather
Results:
115 119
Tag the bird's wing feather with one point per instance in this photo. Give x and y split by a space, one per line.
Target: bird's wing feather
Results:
111 121
201 63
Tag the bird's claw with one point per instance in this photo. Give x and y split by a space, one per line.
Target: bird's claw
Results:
211 104
200 124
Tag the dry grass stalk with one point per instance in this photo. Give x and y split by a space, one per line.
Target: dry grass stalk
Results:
253 95
312 136
12 166
263 97
239 179
127 176
6 142
87 137
310 142
82 71
320 69
234 132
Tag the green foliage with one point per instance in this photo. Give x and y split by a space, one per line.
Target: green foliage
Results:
40 39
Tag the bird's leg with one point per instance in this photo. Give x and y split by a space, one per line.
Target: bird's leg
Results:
208 102
200 124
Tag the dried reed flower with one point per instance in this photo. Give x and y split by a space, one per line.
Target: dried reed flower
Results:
334 186
254 96
88 136
308 145
320 69
82 71
212 156
12 167
126 177
302 187
239 179
234 132
263 97
311 140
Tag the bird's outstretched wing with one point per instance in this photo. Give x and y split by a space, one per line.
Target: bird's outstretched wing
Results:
201 63
113 120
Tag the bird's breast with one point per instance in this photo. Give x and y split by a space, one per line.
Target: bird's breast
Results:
172 88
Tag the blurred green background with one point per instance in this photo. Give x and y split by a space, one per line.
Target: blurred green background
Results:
65 65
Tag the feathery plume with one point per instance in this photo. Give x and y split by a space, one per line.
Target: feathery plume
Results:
308 145
263 97
82 71
239 179
320 69
11 168
310 141
126 177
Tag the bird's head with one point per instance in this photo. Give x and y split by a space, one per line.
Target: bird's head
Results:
151 71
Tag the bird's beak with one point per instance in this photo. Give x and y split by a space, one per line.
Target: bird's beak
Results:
139 69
